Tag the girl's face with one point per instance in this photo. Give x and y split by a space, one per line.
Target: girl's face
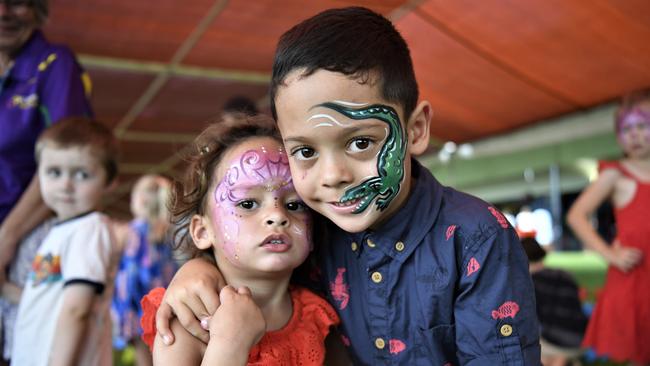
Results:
634 133
256 218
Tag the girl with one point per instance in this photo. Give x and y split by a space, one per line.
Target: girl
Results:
237 206
620 324
146 261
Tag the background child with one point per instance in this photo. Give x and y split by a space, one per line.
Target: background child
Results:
147 261
559 308
620 323
420 274
237 207
63 317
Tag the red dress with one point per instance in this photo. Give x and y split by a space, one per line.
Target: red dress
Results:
300 342
620 325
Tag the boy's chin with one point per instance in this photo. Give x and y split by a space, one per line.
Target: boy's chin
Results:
355 223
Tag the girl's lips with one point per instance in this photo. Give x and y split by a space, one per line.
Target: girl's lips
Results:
276 243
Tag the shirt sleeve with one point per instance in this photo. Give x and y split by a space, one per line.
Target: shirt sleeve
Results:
64 87
86 258
495 314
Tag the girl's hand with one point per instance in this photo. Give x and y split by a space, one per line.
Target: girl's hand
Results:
193 294
238 322
624 258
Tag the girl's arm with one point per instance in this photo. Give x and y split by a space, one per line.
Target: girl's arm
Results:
186 350
236 326
579 215
192 294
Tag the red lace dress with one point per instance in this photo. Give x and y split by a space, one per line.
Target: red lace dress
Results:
620 324
300 342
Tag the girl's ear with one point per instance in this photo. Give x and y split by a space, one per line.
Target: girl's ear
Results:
418 128
201 232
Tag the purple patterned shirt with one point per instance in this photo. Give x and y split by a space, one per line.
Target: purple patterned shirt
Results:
45 85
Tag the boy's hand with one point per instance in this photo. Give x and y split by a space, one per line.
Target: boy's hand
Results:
193 294
238 322
624 258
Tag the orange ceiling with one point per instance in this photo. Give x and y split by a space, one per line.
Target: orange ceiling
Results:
162 70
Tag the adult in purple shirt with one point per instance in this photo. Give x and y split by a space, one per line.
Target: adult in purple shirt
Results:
40 83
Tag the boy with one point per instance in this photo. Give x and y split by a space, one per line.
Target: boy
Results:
63 317
420 274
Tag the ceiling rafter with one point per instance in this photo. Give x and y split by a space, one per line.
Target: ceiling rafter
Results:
163 76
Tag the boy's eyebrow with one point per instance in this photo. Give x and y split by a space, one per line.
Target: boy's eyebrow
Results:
343 130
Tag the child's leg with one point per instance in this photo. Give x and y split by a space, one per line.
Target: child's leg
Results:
142 353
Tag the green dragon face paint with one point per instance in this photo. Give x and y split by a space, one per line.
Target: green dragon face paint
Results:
390 162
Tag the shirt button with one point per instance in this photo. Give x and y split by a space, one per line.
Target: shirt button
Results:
399 246
380 343
371 243
355 246
376 277
506 330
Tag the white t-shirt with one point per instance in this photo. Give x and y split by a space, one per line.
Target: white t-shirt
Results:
78 250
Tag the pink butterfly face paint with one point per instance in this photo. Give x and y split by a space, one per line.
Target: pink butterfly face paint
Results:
259 219
633 131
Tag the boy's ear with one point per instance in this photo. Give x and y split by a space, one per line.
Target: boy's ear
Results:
417 128
200 232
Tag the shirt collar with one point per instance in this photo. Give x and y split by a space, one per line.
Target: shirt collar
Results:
404 231
28 58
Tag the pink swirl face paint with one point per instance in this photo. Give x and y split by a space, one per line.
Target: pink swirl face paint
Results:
257 186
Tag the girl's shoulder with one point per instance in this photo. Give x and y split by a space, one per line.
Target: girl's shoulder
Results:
604 165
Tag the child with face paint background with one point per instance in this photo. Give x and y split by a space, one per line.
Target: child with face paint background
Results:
620 325
237 208
419 273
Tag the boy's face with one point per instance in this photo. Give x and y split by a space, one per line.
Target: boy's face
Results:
347 147
72 180
256 221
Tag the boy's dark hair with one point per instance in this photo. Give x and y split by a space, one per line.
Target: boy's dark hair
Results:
189 195
82 132
240 104
354 41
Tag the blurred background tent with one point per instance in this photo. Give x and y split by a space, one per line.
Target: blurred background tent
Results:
517 86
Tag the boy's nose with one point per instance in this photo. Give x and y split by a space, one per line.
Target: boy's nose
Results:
335 173
68 185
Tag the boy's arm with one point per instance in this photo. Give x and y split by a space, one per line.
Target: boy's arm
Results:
72 324
192 294
494 310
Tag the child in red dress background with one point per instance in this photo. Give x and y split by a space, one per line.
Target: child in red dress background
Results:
620 325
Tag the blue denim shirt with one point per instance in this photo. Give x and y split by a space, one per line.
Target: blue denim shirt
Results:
444 282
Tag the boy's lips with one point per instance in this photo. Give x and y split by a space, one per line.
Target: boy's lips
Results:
347 206
277 243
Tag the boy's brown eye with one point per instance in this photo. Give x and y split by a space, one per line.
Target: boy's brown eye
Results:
304 153
360 144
